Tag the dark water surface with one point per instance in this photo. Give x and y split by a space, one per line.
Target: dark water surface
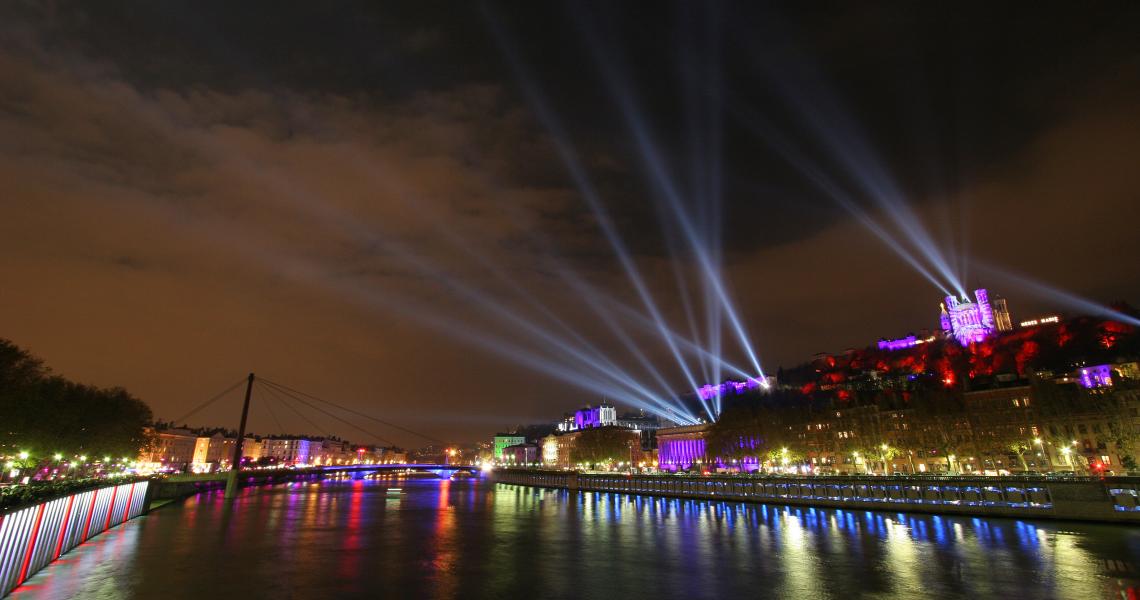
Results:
466 538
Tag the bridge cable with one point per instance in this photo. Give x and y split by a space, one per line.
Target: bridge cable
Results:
269 407
329 414
276 395
325 412
182 420
357 413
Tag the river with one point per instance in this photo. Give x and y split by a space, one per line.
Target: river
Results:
469 539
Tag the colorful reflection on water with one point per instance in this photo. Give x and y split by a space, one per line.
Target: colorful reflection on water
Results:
466 538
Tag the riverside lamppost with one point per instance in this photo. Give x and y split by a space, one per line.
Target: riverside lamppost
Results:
1042 453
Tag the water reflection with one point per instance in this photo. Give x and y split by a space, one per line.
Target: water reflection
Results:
464 538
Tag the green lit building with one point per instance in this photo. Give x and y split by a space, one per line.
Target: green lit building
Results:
502 440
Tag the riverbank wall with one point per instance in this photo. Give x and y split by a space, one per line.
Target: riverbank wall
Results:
1112 499
168 488
31 537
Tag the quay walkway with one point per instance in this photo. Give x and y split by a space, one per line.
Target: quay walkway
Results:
1109 499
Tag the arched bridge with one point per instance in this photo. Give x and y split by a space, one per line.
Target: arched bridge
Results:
183 484
443 471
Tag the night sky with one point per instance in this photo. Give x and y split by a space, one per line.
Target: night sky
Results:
355 198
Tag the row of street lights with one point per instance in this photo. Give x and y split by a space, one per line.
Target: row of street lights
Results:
18 463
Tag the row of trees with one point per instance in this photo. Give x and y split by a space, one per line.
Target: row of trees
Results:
602 445
42 414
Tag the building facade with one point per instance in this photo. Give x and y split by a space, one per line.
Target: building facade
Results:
681 448
287 451
1002 429
603 415
521 455
213 452
170 449
502 440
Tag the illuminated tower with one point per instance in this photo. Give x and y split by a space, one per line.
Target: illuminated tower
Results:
985 311
973 322
1002 319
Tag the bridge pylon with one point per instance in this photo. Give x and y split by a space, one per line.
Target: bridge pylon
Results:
235 463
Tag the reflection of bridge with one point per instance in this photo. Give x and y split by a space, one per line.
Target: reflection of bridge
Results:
442 471
255 476
171 487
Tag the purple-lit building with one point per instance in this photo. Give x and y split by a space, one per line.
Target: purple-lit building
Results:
684 448
1096 376
899 344
970 322
679 448
599 416
708 392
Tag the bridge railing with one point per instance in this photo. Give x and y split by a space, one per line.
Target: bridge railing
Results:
32 537
1113 499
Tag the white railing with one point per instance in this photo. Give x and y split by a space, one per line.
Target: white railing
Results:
33 537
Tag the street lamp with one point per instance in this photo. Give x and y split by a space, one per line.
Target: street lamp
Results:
24 454
1068 454
57 456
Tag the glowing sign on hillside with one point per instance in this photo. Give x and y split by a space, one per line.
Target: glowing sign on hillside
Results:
1041 321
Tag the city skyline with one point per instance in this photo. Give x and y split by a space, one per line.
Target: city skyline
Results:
185 207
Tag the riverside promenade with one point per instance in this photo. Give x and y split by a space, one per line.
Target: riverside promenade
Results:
1110 499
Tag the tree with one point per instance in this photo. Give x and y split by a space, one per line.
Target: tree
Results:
1020 447
602 445
785 456
45 414
885 452
940 417
741 432
1119 407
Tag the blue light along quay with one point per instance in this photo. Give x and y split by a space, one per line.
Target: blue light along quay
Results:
463 537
